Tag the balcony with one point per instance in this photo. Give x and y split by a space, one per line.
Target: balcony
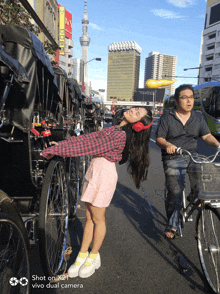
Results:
70 62
208 62
210 51
209 41
69 43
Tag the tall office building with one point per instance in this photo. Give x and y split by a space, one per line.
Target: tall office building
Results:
123 70
209 61
160 66
84 41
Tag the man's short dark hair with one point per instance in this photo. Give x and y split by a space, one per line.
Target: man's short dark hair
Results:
182 88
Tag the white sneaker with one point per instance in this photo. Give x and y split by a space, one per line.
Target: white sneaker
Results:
73 270
88 270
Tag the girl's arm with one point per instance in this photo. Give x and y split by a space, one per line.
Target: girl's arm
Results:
96 143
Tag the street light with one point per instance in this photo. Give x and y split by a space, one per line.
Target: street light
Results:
185 69
83 86
192 68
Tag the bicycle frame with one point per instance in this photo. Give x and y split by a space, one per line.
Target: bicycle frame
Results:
195 203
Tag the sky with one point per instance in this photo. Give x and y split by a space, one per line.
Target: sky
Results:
172 27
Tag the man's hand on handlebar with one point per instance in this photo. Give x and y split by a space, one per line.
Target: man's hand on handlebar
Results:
170 148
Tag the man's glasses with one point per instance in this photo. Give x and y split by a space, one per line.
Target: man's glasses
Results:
186 97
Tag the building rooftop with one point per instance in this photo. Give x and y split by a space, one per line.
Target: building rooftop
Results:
124 46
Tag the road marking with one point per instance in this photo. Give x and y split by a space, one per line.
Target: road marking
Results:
153 140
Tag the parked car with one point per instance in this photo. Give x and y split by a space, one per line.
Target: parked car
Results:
108 117
118 116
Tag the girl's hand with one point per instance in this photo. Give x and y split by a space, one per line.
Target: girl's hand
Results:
48 156
54 143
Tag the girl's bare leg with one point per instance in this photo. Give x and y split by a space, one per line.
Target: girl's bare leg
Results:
88 231
95 228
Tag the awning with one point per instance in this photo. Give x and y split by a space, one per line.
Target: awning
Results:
95 99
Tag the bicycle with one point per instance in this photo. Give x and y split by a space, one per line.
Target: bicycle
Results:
205 197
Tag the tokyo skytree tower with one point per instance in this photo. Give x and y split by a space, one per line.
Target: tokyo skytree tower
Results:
84 41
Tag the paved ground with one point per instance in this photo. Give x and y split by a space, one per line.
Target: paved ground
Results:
136 258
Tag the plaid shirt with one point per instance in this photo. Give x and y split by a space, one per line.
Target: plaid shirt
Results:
108 143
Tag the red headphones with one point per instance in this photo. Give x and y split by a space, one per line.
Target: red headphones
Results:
139 126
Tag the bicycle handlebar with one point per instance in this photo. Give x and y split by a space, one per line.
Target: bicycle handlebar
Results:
181 151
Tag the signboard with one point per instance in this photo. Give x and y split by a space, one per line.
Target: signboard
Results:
68 24
83 87
62 30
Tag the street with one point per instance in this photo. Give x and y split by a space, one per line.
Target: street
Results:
135 255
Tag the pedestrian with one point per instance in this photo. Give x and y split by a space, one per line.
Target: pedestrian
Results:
179 127
127 141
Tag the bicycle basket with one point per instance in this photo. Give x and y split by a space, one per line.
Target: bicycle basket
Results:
206 176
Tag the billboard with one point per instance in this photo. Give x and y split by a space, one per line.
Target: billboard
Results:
68 24
62 29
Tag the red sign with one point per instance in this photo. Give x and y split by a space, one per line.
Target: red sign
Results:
83 87
68 24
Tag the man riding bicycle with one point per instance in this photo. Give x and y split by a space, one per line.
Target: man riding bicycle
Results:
180 127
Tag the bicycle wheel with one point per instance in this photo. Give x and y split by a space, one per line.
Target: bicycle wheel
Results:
208 232
73 185
87 158
15 276
53 218
82 171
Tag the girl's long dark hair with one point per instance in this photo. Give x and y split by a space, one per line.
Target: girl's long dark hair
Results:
136 150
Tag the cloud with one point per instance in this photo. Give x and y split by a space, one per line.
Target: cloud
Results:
97 76
99 84
181 3
167 14
95 27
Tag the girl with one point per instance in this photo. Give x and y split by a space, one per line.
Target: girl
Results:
126 141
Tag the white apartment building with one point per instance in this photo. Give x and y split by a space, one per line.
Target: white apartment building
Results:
209 62
66 60
161 66
76 69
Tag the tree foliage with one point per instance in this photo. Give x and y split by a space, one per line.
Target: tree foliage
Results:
13 13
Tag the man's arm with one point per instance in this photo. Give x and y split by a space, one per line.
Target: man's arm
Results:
210 140
163 144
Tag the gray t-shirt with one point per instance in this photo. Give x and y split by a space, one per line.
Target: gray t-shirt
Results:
171 128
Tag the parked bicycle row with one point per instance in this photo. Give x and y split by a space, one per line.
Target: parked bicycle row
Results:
38 104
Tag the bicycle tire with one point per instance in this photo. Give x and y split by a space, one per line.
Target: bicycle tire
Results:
15 275
87 158
53 218
208 230
73 185
82 172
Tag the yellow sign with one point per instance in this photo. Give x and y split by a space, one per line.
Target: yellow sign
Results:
62 30
158 83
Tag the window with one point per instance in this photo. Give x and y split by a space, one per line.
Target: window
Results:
208 68
212 36
217 55
210 57
214 14
210 47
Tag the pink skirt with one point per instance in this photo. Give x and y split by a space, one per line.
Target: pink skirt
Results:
100 182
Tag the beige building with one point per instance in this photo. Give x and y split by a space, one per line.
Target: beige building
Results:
161 66
123 71
48 13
